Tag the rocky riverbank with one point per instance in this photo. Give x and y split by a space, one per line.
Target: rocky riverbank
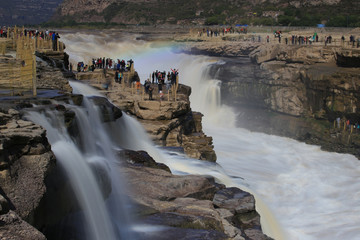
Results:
291 90
35 195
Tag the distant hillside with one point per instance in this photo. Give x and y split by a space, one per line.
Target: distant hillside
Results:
20 12
258 12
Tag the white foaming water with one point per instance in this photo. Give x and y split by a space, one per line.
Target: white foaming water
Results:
82 179
83 89
104 219
311 193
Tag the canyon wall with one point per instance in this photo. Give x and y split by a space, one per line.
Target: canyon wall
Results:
297 91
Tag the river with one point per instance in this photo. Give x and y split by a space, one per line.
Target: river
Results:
301 192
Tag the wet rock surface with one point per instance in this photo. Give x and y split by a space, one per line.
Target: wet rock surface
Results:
191 205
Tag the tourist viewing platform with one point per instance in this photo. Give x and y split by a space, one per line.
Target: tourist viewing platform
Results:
18 48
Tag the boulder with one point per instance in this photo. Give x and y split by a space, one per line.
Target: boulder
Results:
161 185
26 160
238 208
109 111
141 158
12 227
189 213
229 229
235 200
161 110
188 202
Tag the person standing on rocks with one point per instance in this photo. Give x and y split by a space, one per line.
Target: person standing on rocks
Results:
150 92
161 96
147 85
55 36
121 75
138 87
116 77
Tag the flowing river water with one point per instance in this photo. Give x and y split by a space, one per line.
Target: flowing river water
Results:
301 191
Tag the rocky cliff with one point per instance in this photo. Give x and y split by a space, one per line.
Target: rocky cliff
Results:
292 90
26 161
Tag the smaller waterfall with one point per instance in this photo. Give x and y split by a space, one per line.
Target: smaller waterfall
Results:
206 97
104 218
80 174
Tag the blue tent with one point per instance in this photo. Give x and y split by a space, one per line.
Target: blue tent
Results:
321 25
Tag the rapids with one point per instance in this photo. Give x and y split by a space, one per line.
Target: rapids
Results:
301 192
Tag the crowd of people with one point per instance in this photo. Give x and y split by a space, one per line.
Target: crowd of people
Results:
301 40
161 78
33 33
352 126
105 63
215 32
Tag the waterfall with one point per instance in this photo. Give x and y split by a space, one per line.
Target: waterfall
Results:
307 193
104 218
290 180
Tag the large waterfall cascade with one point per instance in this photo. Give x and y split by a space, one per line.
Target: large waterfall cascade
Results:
305 192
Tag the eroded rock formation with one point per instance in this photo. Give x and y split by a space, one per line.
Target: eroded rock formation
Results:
195 204
168 122
296 91
25 161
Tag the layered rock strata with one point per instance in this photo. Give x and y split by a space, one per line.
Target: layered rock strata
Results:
25 162
296 91
168 122
236 48
190 205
